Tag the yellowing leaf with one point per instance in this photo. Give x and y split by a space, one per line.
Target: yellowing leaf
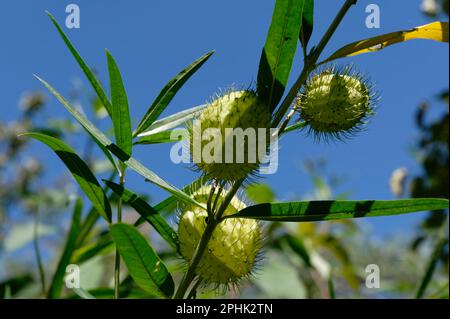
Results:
437 31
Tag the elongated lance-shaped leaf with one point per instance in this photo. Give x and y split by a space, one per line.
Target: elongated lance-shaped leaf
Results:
146 268
307 23
432 263
92 217
164 137
58 278
437 31
106 142
173 120
294 127
279 50
332 210
87 71
119 110
147 212
80 171
331 290
297 246
168 92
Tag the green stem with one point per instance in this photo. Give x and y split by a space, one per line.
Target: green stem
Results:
441 241
216 200
117 258
310 63
38 252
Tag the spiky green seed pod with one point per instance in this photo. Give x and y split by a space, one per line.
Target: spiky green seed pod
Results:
335 103
234 110
232 250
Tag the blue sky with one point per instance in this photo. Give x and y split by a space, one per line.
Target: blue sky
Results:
153 40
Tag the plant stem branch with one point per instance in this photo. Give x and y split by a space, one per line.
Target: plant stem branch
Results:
117 257
216 200
227 199
38 252
441 241
310 63
209 201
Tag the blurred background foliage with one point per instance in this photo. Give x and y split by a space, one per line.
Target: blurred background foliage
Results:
306 260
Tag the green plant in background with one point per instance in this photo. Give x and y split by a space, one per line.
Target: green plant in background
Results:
218 236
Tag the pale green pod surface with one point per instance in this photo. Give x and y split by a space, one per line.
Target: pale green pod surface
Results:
232 250
335 103
241 111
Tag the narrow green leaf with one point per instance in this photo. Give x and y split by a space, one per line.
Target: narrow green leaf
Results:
119 111
307 23
298 247
332 210
163 137
106 142
80 171
431 267
173 120
87 71
279 50
147 212
331 290
294 127
146 268
152 177
168 92
58 278
92 217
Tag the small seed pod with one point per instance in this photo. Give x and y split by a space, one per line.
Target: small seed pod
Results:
234 114
336 103
232 250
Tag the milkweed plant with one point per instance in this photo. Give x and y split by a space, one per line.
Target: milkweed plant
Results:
229 141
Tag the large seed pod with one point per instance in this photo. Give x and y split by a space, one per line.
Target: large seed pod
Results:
335 103
242 112
232 250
